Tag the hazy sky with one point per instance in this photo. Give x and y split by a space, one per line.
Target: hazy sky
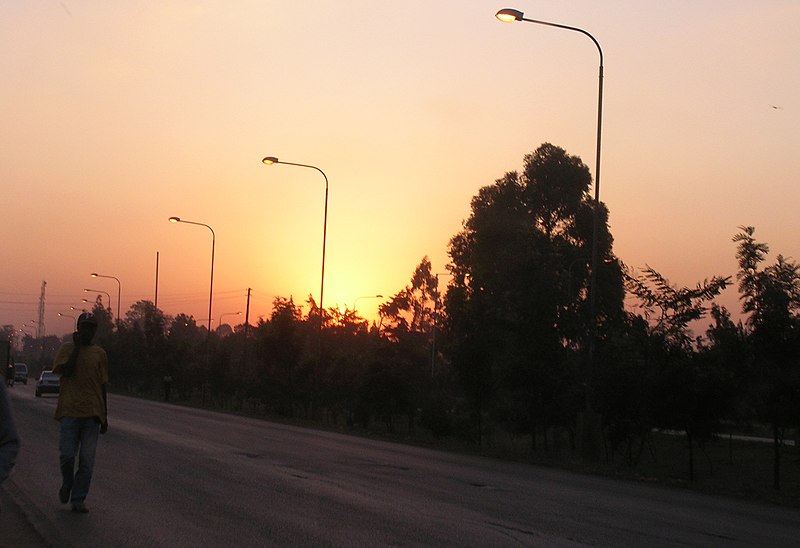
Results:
119 114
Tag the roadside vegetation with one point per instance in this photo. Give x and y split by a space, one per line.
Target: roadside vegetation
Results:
507 359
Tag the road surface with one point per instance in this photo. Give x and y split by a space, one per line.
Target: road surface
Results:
173 476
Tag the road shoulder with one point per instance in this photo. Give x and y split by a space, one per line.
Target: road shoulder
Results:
17 527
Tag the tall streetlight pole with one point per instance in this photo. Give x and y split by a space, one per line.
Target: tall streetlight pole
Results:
269 160
509 15
213 246
119 290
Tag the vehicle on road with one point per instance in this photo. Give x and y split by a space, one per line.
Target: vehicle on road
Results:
21 373
48 383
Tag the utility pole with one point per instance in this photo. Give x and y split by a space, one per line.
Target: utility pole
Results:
155 302
246 353
40 324
247 316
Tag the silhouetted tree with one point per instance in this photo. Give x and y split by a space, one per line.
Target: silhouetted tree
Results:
407 322
625 387
687 392
517 304
7 333
729 349
184 360
411 309
771 297
350 348
105 324
284 357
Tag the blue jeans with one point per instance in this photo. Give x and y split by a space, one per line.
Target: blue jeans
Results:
78 438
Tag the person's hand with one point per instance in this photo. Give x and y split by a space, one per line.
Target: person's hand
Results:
104 426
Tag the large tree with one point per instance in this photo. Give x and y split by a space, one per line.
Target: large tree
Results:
517 304
771 297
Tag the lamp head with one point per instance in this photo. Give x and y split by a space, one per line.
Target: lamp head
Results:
269 160
93 274
509 15
174 219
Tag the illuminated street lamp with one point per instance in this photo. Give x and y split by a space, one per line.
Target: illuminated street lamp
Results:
66 316
213 246
119 291
99 291
509 15
269 160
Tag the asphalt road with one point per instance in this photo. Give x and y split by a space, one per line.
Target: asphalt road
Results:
173 476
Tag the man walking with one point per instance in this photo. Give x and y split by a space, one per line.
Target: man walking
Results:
82 410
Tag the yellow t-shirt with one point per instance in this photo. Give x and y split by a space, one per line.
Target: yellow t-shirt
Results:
82 394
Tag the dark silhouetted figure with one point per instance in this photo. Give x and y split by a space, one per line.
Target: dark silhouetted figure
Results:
82 410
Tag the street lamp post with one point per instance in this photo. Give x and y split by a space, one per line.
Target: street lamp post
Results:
66 316
119 291
106 293
365 297
219 323
269 160
509 15
213 246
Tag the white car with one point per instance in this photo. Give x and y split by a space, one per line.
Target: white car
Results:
48 383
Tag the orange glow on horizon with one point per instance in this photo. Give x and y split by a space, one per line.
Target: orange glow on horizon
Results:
342 92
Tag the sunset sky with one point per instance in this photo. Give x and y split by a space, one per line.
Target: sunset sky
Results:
118 114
